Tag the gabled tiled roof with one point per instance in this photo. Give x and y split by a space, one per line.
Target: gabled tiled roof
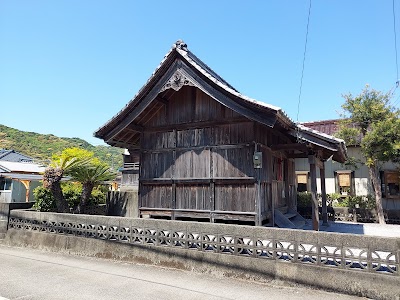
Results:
207 71
24 167
179 49
14 156
324 130
179 58
329 127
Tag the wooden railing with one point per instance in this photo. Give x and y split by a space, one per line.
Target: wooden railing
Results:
131 166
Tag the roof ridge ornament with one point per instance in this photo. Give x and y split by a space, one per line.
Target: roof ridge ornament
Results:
180 44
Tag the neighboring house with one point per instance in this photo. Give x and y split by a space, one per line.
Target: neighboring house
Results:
207 151
18 177
12 155
347 180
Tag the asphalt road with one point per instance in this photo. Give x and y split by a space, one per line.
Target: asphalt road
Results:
31 274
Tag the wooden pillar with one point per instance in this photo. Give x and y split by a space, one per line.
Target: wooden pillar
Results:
212 186
286 181
323 191
257 174
258 221
314 199
26 184
140 185
173 194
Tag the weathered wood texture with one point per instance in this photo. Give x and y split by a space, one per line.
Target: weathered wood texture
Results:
130 178
158 196
278 172
197 160
187 105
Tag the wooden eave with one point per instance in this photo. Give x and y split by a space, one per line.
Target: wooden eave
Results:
321 143
132 104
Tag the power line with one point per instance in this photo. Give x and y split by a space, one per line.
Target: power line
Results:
396 85
304 60
396 101
395 43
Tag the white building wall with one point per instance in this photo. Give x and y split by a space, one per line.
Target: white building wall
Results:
18 191
362 182
363 186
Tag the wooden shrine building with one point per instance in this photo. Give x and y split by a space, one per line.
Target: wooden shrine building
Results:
207 151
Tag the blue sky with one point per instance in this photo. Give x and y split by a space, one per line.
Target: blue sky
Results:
66 67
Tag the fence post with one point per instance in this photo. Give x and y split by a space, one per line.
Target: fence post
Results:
4 217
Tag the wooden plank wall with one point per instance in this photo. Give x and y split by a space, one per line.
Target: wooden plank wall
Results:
197 157
278 172
206 168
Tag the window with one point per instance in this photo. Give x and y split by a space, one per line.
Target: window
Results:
345 182
392 184
5 184
302 181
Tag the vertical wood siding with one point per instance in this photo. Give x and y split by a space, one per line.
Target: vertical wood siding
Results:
233 162
156 165
196 197
194 159
156 196
238 197
192 163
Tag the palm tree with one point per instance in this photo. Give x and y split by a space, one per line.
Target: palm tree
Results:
52 179
90 177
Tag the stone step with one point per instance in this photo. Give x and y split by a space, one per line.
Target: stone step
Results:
289 219
282 209
281 221
290 215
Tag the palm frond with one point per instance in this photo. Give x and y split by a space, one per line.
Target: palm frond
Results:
92 174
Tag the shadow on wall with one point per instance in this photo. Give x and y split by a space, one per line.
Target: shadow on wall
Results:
344 228
116 204
122 204
338 227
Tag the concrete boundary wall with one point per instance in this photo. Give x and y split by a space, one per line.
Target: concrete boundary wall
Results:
353 264
5 209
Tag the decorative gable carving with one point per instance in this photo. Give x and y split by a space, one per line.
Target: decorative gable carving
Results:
177 81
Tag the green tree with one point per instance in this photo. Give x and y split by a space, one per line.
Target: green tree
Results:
370 122
77 153
81 166
90 177
52 179
42 146
90 172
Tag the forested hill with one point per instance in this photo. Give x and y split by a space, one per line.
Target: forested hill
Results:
42 146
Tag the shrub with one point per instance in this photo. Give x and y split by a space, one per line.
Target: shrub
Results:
44 200
303 199
98 196
72 191
367 202
341 202
332 199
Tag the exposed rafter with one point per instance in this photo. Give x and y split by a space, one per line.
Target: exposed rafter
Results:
292 146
